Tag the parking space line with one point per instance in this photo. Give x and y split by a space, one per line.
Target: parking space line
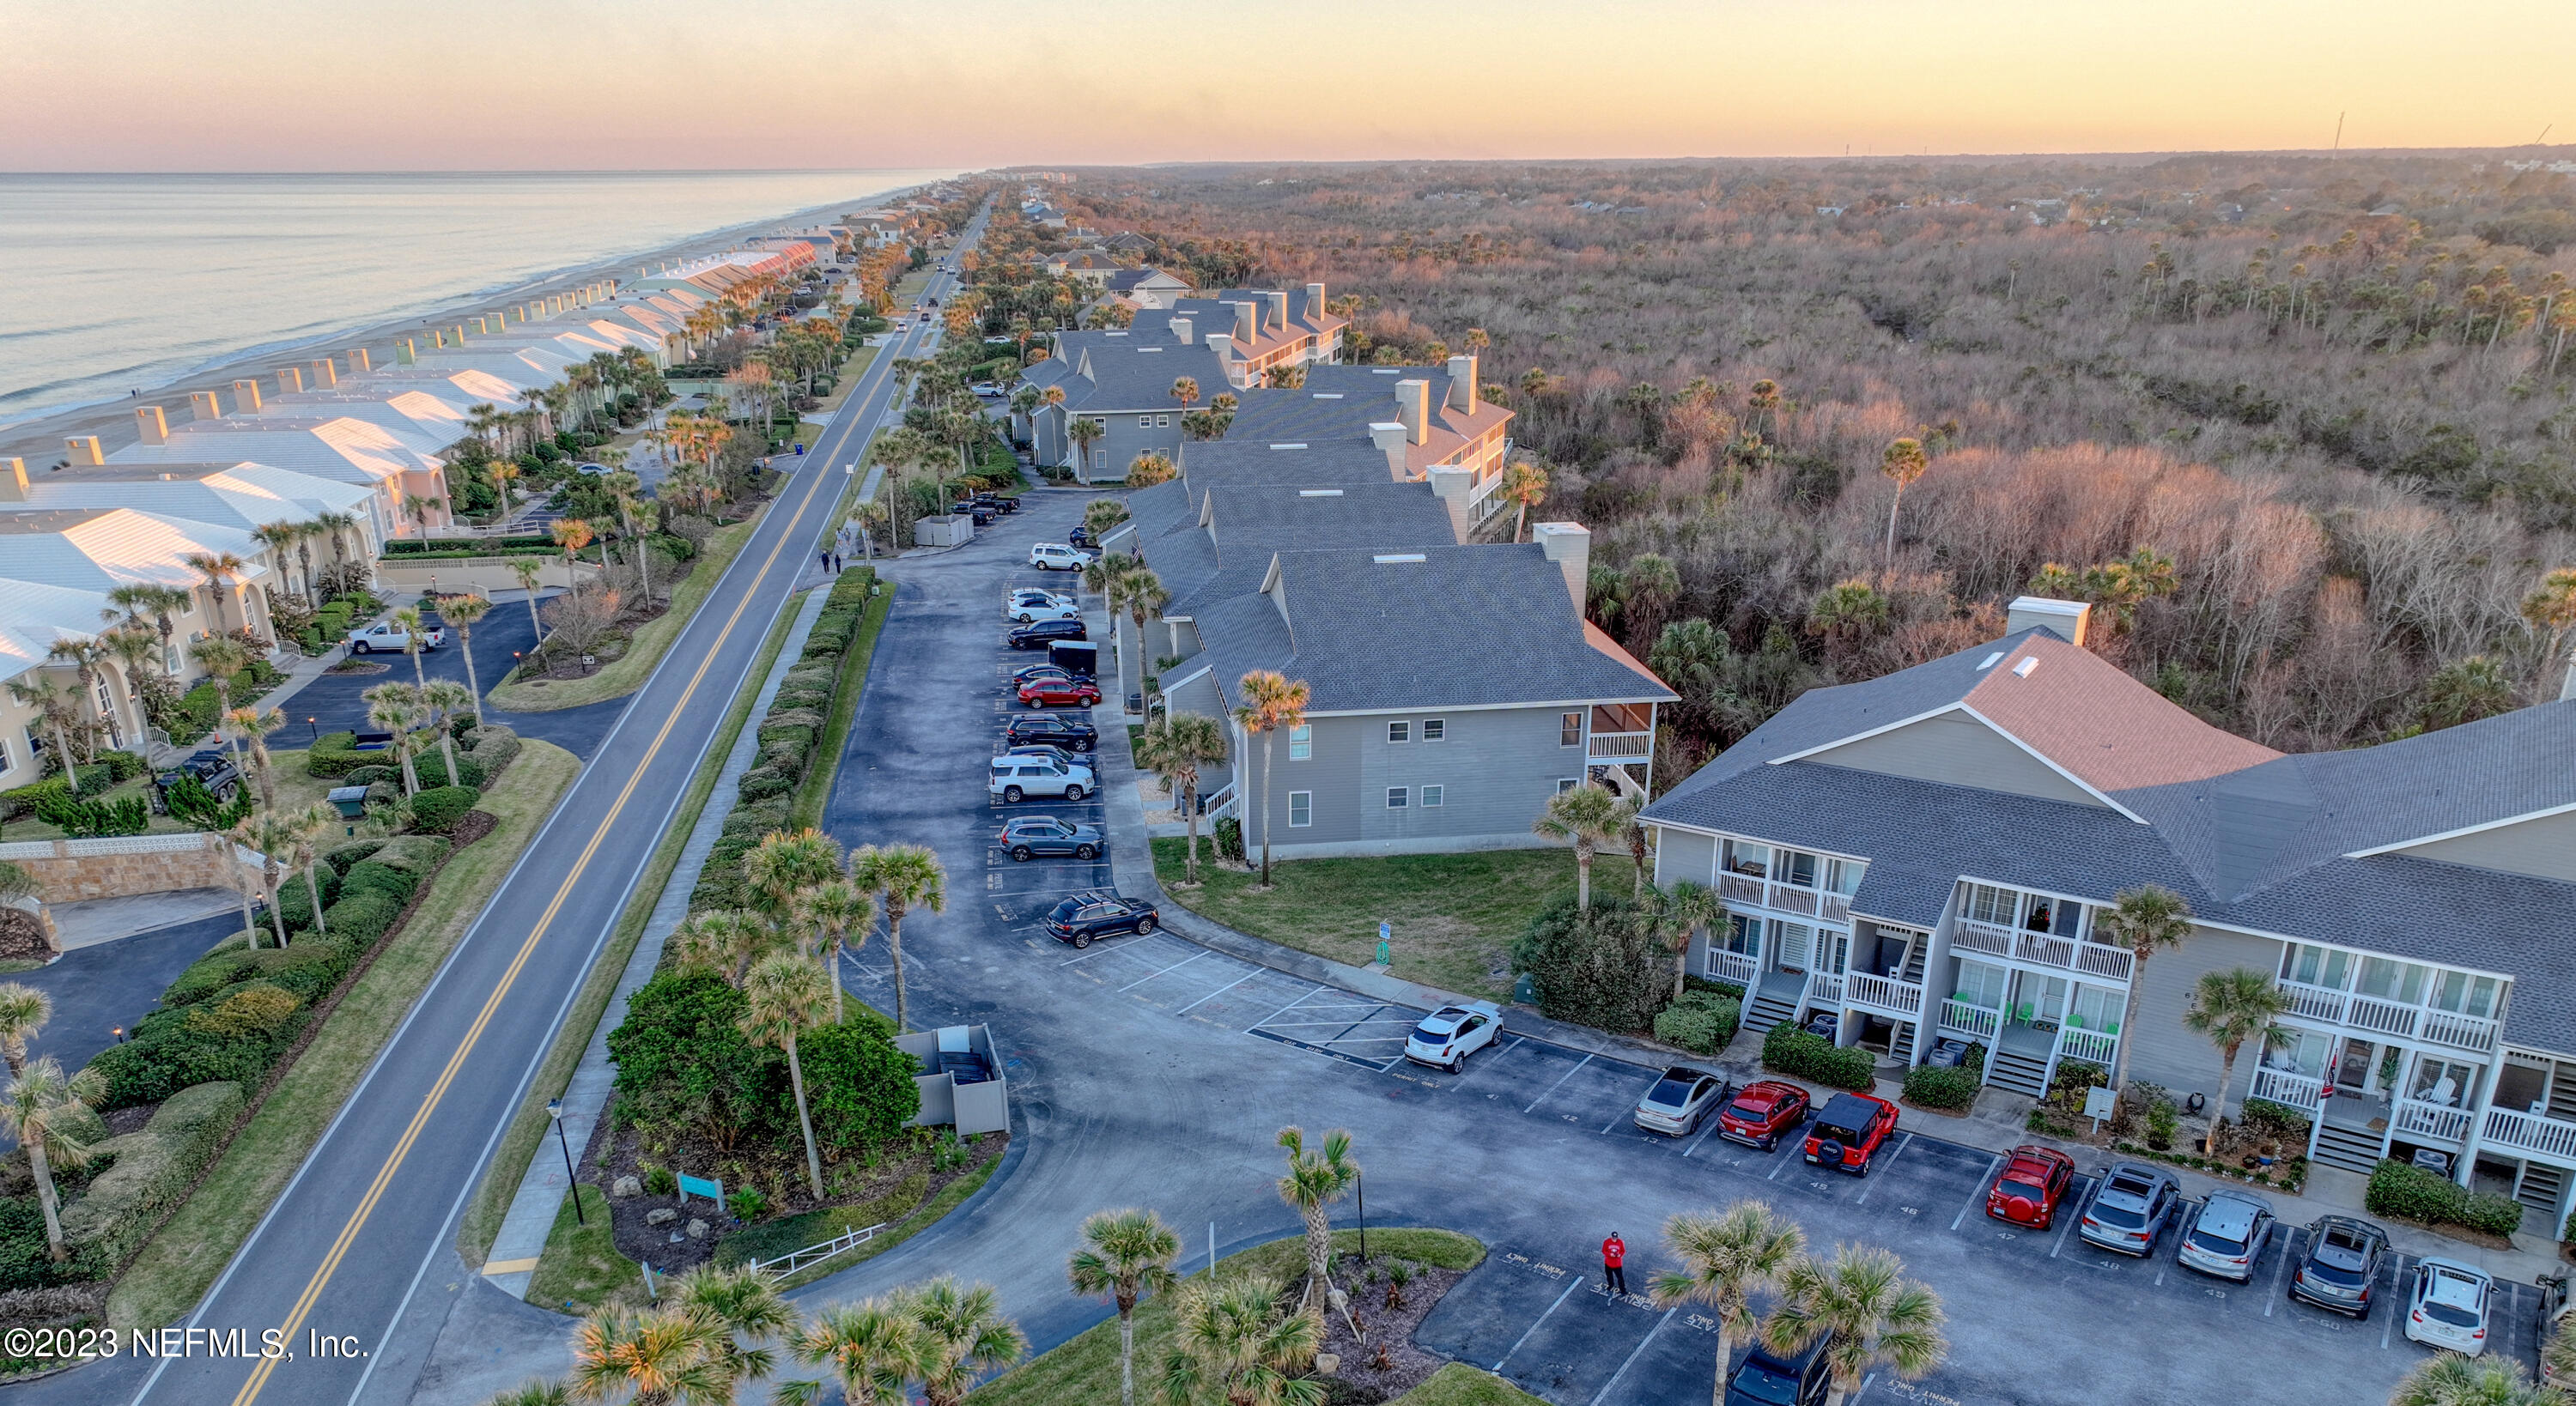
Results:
1283 1010
2061 1236
1901 1144
1776 1171
1488 1059
1604 1393
1980 1193
1238 981
1176 966
1571 1285
2280 1263
1705 1129
2396 1287
1087 956
1560 1083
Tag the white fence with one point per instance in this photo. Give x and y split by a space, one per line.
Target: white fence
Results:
812 1255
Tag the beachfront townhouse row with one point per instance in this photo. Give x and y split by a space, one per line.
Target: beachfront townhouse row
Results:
1929 856
1454 687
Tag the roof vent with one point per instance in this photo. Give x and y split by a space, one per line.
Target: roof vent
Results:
1319 493
1114 334
1991 661
1386 370
1142 350
2028 665
1399 557
1328 395
1287 446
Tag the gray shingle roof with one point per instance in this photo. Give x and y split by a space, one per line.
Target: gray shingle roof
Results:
1133 378
1323 464
1252 522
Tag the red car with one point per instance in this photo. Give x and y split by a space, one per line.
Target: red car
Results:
2030 1187
1763 1112
1058 693
1849 1130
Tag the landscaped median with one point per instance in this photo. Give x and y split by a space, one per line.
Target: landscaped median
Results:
653 639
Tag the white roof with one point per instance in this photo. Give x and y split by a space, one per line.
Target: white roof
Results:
103 549
422 436
242 496
339 448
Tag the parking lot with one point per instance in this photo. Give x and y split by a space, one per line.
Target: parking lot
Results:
1530 1147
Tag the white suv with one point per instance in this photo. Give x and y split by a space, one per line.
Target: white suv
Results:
1056 556
1016 778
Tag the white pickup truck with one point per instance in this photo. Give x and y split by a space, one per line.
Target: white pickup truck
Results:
387 635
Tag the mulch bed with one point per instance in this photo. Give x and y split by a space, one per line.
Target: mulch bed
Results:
359 666
21 936
1389 1330
471 826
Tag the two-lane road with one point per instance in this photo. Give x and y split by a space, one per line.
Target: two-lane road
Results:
343 1258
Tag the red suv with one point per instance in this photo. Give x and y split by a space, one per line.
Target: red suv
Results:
1848 1132
2030 1187
1763 1113
1058 693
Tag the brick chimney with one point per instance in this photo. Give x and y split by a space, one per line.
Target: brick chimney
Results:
206 404
1182 331
1389 438
1452 485
245 395
1413 407
151 424
326 373
1569 545
1462 384
290 379
13 480
85 451
2066 619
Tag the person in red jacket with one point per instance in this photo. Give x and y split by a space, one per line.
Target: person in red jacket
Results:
1614 1260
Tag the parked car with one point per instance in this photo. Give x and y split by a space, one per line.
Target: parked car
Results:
1040 633
2449 1305
2028 1189
1098 913
1679 1101
1769 1378
1059 693
1015 779
1058 556
2227 1235
1080 537
1764 1112
1031 836
1007 503
987 390
1029 607
1071 733
2130 1209
1080 658
981 515
212 769
1848 1132
1448 1035
1026 672
2340 1268
385 634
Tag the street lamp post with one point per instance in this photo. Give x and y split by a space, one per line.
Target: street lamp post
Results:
554 1110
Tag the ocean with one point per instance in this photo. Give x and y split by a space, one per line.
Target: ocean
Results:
125 282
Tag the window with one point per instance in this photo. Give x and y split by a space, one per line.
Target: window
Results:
1567 783
2464 994
1746 857
1988 904
2447 1082
1399 732
2402 982
1569 730
1797 868
2304 1054
2100 1007
1301 742
1432 796
1842 876
1164 421
1301 809
2317 966
1743 935
5 763
1396 797
1434 729
1981 985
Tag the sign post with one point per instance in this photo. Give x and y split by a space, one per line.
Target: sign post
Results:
1385 937
712 1189
2098 1103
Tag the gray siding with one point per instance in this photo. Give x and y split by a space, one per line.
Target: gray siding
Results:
1199 696
1496 768
2544 848
2164 1051
1957 750
1684 854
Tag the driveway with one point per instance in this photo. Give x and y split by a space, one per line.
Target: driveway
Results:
334 702
108 986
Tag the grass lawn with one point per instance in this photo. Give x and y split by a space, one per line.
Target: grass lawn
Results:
628 672
501 1180
1085 1369
295 790
817 786
582 1268
1461 1385
175 1268
1455 915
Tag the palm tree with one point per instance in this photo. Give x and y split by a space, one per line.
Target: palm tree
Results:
2558 1357
1150 468
2551 608
1587 817
23 1011
43 1105
783 995
250 727
1903 463
219 569
84 656
1231 1346
268 835
662 1357
397 708
571 534
534 1392
222 657
1271 701
784 864
2452 1380
745 1308
1186 391
1144 595
1125 1255
462 612
1727 1258
963 1335
55 706
1525 487
159 601
527 569
628 489
450 700
280 538
873 1347
1178 747
723 943
836 909
1314 1181
903 877
1084 432
1686 908
333 524
1873 1313
307 828
2144 919
2230 1008
139 656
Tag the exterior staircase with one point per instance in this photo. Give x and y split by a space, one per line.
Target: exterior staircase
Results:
2351 1149
1767 1005
2020 1073
1901 1047
1913 968
2541 1187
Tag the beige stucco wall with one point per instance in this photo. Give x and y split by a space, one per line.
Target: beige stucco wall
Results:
73 870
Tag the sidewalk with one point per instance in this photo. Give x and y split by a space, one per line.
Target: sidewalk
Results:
1998 1122
531 1218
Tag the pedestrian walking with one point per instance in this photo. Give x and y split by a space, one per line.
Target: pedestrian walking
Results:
837 568
1614 1260
823 559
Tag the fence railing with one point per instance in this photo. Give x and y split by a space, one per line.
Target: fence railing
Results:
1736 967
1887 993
2529 1132
812 1255
1825 988
1976 1022
1618 746
2432 1120
1741 887
2090 1045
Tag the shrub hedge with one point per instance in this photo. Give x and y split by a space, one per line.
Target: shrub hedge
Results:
1791 1051
1603 966
151 1174
2408 1192
1940 1086
1700 1021
439 808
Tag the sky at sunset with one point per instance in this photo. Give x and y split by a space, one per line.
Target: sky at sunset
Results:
176 85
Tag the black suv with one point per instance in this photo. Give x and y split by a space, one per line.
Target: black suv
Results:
212 770
1768 1378
1097 913
1046 632
1072 734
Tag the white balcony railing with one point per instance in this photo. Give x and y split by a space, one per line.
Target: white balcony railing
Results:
2283 1086
2531 1133
2464 1032
1886 993
1975 1022
2042 949
2103 960
1736 967
2432 1120
2314 1002
1789 898
1825 988
2384 1017
2090 1045
1743 888
1836 908
2460 1032
1622 746
1981 939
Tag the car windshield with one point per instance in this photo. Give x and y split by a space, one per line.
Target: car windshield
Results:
1670 1092
2339 1256
2219 1239
1432 1032
1066 909
2017 1186
1751 1106
1764 1384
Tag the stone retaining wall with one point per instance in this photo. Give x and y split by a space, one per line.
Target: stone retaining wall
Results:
73 870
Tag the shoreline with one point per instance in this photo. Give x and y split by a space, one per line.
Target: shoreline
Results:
39 439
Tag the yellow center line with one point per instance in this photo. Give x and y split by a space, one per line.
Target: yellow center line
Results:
429 1104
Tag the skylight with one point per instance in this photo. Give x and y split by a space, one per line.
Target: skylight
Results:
1142 350
1328 395
1319 493
1287 446
1400 557
2026 666
1386 371
1991 661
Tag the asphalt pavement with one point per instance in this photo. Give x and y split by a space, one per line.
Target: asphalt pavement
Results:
336 702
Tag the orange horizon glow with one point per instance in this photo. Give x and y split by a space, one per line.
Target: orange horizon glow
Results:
297 85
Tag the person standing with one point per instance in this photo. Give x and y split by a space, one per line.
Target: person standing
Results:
823 559
1614 1260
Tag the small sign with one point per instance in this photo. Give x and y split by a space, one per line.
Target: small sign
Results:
713 1190
2098 1104
1385 936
